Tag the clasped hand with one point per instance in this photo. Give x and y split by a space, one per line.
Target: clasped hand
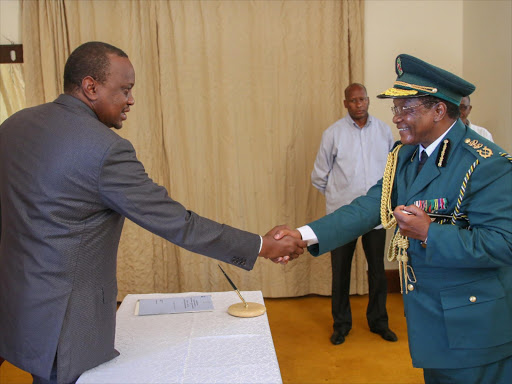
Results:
413 223
282 244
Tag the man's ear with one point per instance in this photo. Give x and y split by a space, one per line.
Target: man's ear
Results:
89 88
440 111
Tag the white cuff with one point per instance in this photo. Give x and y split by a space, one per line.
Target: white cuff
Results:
308 235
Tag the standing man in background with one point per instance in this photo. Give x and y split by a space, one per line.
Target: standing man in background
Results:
350 160
465 108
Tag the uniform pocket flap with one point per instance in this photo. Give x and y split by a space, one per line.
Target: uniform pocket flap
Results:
472 293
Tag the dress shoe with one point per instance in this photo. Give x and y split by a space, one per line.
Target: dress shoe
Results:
338 337
386 334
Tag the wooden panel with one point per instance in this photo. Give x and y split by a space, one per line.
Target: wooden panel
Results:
10 52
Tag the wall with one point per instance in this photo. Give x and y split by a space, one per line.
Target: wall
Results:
471 38
412 27
487 62
10 26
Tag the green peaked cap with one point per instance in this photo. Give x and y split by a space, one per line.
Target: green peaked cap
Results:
418 78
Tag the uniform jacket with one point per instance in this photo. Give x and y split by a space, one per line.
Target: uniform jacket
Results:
66 184
459 313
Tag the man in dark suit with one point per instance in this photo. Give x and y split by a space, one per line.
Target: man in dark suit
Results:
453 244
67 182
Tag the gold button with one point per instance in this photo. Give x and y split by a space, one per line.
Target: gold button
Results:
410 287
472 299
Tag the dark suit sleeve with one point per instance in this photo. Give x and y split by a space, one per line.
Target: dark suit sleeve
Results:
347 223
125 187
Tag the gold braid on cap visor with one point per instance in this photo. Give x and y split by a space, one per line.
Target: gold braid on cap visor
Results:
407 92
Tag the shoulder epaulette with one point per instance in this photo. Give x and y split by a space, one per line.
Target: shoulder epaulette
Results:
480 149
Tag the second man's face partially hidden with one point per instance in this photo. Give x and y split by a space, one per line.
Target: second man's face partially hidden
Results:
357 104
465 109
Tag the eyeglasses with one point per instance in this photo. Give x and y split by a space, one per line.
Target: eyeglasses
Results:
397 111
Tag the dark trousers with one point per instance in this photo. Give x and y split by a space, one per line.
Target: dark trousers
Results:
499 372
376 314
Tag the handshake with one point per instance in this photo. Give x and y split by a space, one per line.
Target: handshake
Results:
282 244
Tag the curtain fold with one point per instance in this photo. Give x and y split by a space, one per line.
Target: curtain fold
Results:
231 100
12 90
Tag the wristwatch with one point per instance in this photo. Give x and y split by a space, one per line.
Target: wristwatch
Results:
424 242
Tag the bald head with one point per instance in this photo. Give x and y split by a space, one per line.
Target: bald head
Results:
357 103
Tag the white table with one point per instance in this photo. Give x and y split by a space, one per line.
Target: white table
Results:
199 347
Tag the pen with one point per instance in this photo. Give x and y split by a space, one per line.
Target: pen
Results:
233 285
432 215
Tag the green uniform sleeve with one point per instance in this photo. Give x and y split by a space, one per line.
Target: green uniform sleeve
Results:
348 222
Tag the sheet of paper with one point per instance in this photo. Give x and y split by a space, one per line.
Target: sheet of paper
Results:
174 305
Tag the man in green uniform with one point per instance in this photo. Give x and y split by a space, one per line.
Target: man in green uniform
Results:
453 240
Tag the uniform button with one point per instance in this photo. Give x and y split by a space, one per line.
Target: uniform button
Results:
410 287
472 299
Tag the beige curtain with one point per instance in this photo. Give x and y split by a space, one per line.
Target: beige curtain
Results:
231 100
12 90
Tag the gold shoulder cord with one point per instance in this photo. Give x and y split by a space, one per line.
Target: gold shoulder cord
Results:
386 212
398 246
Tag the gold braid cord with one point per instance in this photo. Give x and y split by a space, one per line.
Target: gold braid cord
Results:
386 211
398 246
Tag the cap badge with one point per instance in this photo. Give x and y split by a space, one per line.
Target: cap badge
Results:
399 69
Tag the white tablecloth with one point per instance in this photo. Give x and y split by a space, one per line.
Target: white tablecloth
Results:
199 347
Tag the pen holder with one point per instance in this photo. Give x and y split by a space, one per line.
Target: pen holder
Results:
249 310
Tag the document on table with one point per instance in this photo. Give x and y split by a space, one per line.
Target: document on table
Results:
173 305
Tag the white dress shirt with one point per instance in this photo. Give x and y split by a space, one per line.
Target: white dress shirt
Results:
350 160
481 131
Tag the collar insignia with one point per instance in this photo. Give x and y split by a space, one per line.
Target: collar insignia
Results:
443 153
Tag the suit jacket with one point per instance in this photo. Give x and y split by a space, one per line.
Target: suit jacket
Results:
459 313
66 184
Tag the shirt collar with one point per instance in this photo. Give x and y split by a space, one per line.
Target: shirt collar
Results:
431 148
368 121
